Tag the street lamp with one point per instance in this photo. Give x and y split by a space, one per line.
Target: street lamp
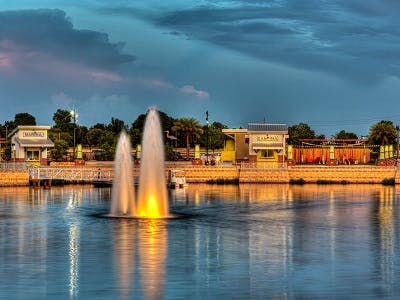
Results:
397 130
74 116
207 138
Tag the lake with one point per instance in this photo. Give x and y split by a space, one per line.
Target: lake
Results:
262 241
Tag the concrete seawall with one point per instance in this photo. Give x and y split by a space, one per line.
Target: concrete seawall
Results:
14 178
311 174
202 174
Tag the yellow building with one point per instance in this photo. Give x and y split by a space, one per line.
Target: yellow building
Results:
260 143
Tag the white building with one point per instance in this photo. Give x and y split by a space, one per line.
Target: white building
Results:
30 143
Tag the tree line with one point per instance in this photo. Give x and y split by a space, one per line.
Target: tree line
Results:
65 133
179 132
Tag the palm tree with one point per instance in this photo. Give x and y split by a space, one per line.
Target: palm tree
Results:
383 133
189 127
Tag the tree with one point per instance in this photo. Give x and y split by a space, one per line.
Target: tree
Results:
116 126
94 135
382 133
24 119
215 136
62 120
300 131
345 135
61 140
190 127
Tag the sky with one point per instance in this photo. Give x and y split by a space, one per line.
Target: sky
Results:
334 65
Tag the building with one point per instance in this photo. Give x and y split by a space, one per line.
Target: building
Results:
334 152
260 143
30 144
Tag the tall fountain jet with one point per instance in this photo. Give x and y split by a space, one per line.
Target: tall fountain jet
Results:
152 201
122 195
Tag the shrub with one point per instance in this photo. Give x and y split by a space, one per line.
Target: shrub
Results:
388 181
297 181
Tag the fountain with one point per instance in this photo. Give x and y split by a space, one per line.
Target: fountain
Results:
122 195
152 200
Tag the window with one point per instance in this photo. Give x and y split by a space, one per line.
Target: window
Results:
32 155
269 153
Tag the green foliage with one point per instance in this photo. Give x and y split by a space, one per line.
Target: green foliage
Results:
300 131
223 181
299 181
60 150
325 181
169 152
24 119
388 181
62 120
116 126
94 136
190 128
345 135
215 136
382 133
61 143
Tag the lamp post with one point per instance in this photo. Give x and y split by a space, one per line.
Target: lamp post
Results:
397 131
207 162
74 116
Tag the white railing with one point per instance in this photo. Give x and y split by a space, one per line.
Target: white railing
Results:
13 166
262 165
70 174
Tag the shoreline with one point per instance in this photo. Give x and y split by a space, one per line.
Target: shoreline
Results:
220 174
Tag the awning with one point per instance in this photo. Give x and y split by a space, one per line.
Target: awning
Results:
34 142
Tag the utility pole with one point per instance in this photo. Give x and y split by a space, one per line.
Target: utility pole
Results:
207 162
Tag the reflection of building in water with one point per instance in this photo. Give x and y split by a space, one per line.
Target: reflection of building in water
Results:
385 209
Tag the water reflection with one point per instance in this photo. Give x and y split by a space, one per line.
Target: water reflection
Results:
152 243
246 241
124 232
74 231
384 221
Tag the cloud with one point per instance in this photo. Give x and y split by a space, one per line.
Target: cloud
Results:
61 99
190 90
344 38
44 34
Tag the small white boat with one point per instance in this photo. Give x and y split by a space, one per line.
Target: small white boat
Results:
176 179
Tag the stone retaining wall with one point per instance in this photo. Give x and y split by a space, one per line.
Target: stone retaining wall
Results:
14 178
311 174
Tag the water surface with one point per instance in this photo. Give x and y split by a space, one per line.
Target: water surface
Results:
241 242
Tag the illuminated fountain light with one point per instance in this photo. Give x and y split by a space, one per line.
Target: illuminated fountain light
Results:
152 199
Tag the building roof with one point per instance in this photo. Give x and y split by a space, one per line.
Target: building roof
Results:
27 127
267 127
34 142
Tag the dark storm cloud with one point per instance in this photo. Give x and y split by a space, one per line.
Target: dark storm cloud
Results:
353 39
51 32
